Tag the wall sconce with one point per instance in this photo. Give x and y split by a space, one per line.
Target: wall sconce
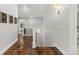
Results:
57 7
57 12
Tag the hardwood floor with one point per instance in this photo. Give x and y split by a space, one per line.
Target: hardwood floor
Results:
27 49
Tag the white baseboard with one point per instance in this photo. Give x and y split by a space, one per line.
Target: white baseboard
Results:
40 46
55 45
7 47
45 45
60 49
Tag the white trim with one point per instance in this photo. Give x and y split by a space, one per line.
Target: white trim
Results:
7 47
73 29
40 46
34 38
60 49
55 45
45 45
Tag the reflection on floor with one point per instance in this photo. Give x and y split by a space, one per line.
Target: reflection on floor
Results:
28 50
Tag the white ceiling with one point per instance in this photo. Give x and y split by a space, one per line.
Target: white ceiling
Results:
35 10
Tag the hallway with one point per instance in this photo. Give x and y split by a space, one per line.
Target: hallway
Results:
45 29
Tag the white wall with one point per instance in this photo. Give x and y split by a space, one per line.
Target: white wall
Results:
33 23
57 29
8 32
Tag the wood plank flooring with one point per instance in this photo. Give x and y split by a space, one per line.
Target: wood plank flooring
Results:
27 49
